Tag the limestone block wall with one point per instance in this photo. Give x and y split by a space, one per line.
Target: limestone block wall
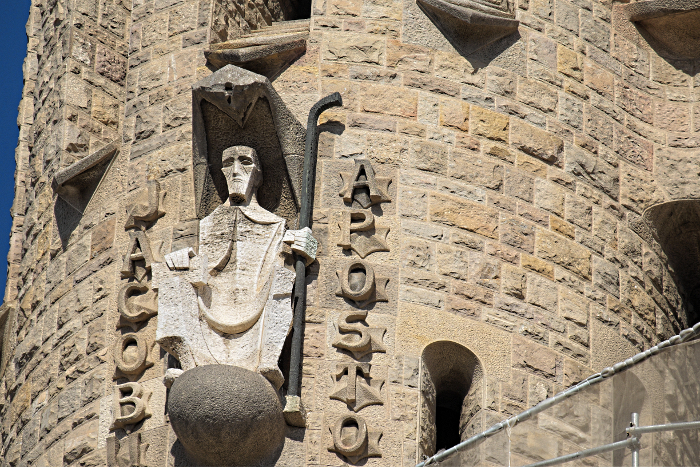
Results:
515 179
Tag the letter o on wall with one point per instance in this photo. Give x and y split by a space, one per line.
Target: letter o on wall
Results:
138 363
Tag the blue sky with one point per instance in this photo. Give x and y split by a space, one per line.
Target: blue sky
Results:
13 17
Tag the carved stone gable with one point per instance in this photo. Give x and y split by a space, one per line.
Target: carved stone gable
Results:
236 107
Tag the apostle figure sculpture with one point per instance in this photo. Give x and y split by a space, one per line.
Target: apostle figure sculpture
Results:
231 303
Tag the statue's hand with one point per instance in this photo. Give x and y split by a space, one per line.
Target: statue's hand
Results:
171 375
179 259
303 243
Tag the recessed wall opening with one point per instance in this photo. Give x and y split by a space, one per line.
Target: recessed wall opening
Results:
448 408
676 227
451 396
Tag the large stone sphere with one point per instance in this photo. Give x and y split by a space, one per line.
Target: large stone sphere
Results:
226 415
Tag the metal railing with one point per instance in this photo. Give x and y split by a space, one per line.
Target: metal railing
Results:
684 336
634 432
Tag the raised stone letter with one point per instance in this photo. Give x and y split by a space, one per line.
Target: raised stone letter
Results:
358 282
354 440
139 250
136 302
145 209
362 185
231 302
131 354
362 338
128 452
130 405
355 233
355 387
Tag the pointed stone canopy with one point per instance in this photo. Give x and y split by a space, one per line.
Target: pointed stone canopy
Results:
670 27
76 183
473 24
236 107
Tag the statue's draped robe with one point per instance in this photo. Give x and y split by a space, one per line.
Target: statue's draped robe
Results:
233 305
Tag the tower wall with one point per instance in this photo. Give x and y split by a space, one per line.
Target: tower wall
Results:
519 174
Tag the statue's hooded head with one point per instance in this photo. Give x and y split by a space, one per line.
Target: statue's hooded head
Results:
243 173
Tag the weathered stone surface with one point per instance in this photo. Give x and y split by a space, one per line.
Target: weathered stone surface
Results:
565 253
105 110
513 281
569 62
429 156
389 100
533 358
606 276
110 65
454 114
489 124
536 142
599 173
465 215
537 95
541 292
518 234
636 150
358 50
549 197
676 170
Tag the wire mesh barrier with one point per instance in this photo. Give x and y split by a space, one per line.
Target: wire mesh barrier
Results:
642 412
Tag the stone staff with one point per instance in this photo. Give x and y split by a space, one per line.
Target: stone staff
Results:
293 405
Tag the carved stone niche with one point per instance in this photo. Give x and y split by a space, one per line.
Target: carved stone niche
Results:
672 28
676 227
471 24
235 107
76 184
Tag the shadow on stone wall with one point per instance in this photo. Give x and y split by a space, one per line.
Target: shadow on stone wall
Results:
675 225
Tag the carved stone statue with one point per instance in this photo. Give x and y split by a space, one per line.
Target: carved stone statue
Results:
230 303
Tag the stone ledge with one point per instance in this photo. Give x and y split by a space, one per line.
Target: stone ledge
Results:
266 51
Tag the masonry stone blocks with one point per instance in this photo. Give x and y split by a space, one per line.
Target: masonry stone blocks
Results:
515 179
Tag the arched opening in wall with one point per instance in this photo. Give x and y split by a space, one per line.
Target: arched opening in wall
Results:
452 392
675 226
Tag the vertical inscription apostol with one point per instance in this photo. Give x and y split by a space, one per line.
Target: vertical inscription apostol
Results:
352 438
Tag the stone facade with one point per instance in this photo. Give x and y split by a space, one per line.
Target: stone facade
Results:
513 203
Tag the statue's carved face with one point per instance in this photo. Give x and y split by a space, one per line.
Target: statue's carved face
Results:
242 171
